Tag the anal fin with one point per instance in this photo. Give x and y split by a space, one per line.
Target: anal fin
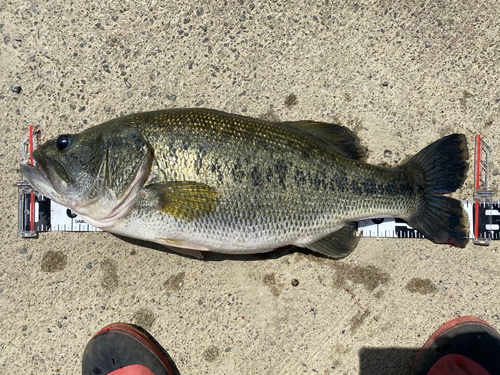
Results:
338 244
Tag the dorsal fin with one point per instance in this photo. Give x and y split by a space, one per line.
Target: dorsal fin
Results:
332 137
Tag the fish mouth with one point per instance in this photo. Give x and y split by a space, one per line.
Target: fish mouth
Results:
47 176
39 180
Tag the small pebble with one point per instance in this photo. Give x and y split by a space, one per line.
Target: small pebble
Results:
387 153
88 266
30 256
106 68
385 83
23 251
295 282
24 328
16 89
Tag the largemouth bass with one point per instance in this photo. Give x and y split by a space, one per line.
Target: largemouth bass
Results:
205 180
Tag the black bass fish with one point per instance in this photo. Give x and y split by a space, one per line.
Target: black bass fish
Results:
205 180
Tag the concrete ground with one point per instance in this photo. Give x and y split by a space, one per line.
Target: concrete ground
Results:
399 73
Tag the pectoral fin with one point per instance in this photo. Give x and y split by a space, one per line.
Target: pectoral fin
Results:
184 200
338 244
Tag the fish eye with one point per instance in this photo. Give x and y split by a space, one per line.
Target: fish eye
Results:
63 142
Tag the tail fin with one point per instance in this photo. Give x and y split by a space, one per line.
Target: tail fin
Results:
441 168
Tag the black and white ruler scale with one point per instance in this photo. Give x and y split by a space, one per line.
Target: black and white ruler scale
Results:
38 213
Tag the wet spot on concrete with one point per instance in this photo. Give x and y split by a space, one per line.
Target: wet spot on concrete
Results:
270 115
463 101
175 282
291 100
144 318
368 276
422 286
274 287
211 353
54 261
358 319
109 277
379 294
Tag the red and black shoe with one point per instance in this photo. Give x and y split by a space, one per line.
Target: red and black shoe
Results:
462 346
122 349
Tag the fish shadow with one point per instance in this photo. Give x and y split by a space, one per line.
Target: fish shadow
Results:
386 361
217 257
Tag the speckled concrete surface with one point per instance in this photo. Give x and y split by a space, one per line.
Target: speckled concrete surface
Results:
399 73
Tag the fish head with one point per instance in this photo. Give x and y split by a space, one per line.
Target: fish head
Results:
97 173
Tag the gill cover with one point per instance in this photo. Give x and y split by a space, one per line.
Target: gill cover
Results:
125 164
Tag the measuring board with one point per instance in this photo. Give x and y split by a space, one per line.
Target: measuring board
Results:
38 213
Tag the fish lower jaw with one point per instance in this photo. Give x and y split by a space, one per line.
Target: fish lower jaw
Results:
106 223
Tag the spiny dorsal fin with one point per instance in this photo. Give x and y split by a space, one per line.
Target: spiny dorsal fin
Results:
338 244
184 200
332 137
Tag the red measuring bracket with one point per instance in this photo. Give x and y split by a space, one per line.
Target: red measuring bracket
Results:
27 195
484 208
